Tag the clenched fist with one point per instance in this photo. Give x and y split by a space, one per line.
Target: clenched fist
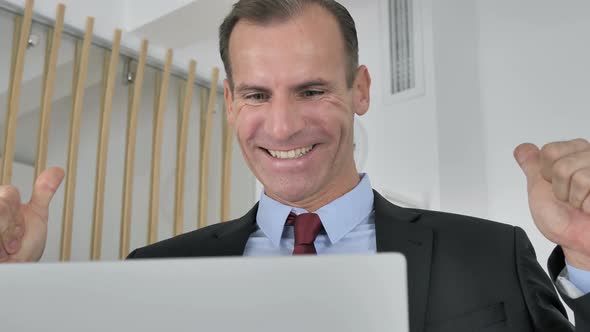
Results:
23 227
558 178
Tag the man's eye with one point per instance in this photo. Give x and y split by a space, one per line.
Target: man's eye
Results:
312 93
256 96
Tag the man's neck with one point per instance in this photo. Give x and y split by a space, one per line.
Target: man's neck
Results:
324 197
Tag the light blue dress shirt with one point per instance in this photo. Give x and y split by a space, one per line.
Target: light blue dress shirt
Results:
348 221
580 278
349 224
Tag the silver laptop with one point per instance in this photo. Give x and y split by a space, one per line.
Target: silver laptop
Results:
262 294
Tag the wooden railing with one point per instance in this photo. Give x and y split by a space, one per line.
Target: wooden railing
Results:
112 62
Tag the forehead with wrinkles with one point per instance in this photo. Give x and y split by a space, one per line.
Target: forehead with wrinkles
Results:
305 45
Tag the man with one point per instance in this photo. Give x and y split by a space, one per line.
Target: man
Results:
293 88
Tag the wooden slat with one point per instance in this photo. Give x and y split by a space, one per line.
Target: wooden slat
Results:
80 80
15 91
77 53
102 150
203 120
51 56
18 21
179 187
96 229
134 105
205 152
106 58
183 120
203 124
226 175
13 54
157 151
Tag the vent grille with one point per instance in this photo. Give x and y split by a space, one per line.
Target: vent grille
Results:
401 24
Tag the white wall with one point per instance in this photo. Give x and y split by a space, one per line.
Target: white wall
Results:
402 135
140 12
534 73
463 185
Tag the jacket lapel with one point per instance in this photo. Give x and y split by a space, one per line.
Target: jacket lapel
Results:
231 239
396 230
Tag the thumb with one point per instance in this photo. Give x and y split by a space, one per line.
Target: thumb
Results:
45 187
527 156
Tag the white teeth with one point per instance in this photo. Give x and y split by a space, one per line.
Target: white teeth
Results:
292 154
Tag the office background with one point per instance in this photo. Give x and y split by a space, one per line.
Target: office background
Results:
488 75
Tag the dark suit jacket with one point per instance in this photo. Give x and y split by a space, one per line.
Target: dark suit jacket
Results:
464 273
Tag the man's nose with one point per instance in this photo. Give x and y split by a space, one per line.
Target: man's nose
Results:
284 119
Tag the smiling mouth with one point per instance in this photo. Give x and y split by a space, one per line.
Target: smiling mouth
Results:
291 154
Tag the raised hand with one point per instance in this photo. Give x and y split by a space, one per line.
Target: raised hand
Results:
558 178
23 227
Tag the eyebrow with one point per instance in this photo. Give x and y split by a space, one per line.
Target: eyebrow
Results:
242 88
317 82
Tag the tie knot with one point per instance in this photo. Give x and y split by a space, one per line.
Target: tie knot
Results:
307 227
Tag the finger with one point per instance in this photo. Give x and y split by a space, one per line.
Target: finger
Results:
3 255
14 242
12 229
527 155
10 225
5 225
552 152
586 205
45 187
11 242
580 187
11 196
563 173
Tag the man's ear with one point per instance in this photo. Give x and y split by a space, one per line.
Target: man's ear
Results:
362 90
228 97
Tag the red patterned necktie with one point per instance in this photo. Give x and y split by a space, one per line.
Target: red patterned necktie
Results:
307 228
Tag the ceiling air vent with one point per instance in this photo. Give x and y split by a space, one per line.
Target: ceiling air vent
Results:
401 29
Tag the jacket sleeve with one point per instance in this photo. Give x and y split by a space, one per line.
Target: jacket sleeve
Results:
581 305
546 311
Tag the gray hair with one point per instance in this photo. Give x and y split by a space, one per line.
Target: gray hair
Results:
267 11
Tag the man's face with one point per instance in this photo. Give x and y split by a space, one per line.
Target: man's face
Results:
291 107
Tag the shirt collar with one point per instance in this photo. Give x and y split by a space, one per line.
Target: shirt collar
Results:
339 217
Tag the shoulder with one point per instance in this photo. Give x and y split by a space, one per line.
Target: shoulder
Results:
221 239
185 245
478 238
442 221
472 237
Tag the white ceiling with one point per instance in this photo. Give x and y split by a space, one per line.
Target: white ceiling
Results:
190 24
191 30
